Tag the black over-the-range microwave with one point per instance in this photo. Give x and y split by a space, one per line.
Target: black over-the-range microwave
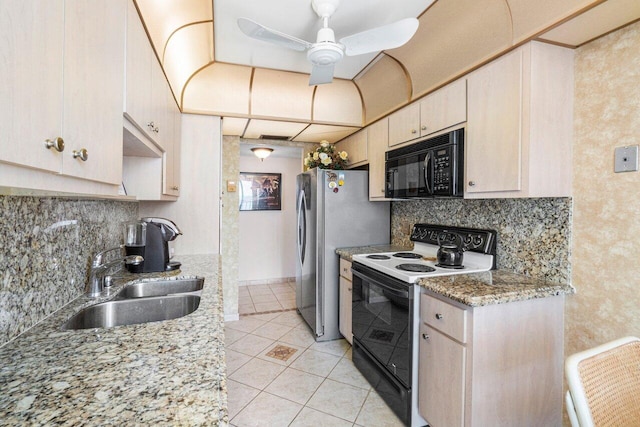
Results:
432 167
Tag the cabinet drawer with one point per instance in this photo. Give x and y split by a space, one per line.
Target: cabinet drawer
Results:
345 269
444 317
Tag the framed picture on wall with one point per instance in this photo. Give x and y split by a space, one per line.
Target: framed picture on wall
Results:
260 191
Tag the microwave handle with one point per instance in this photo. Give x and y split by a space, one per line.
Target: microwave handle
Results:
390 183
427 159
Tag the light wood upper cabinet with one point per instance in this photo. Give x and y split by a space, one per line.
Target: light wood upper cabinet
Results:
377 143
61 68
439 110
93 82
520 125
31 42
404 125
356 147
444 108
171 160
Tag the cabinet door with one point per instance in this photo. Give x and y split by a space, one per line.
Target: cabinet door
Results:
171 174
31 47
404 125
444 108
441 379
356 147
159 106
93 88
377 141
344 318
138 72
493 144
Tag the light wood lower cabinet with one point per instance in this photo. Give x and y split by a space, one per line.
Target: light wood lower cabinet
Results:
346 290
495 365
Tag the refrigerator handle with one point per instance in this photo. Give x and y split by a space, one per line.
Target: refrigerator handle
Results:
302 227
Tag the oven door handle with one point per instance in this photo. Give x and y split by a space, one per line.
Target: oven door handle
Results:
392 290
427 160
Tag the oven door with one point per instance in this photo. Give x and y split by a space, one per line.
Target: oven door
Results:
382 320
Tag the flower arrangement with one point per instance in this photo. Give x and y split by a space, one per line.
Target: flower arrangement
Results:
326 157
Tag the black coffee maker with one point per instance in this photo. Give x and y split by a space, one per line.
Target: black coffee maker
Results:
150 239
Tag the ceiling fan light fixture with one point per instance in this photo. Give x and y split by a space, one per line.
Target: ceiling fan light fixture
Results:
324 54
262 152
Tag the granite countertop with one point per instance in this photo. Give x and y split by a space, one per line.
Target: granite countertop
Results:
160 373
348 253
476 289
493 287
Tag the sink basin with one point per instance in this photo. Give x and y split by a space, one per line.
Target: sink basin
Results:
133 311
156 288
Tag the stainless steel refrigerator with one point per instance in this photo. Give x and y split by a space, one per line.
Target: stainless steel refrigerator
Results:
333 211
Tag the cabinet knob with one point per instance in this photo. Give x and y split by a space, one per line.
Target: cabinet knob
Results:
472 183
425 337
175 187
151 125
382 191
439 316
57 143
349 289
414 131
423 127
81 154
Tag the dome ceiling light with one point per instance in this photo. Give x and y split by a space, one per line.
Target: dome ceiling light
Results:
262 152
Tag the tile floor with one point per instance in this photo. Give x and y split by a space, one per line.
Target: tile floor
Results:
278 375
266 298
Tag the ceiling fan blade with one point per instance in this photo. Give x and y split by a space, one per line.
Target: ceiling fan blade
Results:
380 38
260 32
321 74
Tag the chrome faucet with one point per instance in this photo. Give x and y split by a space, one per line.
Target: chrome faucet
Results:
98 268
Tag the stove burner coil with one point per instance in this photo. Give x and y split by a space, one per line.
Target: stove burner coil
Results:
451 267
408 255
376 256
416 268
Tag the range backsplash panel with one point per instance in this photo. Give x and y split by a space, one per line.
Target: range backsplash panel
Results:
534 235
46 245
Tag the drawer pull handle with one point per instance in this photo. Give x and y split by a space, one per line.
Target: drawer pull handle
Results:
439 316
425 337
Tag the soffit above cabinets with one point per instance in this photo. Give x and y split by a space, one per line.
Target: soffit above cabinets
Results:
214 69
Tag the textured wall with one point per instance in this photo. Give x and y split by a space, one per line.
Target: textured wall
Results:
230 226
46 245
534 235
606 273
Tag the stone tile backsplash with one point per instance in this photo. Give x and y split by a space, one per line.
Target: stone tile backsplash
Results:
534 235
46 245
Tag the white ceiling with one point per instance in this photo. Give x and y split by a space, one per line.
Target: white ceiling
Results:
297 18
278 151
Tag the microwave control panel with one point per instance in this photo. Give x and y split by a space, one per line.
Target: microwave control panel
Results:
442 170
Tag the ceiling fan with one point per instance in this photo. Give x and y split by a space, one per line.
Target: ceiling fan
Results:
326 52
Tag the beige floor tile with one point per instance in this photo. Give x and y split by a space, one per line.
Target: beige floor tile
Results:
260 412
288 305
235 360
266 316
346 372
267 306
316 363
376 413
238 396
260 290
335 347
349 354
290 318
311 418
245 324
341 400
298 336
295 385
280 287
232 335
263 298
246 308
272 330
257 373
264 355
251 345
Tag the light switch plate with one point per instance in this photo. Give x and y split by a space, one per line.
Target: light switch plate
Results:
626 159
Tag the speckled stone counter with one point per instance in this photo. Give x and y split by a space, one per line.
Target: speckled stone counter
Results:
160 373
348 253
493 287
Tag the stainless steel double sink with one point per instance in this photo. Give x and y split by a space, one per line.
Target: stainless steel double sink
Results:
142 302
